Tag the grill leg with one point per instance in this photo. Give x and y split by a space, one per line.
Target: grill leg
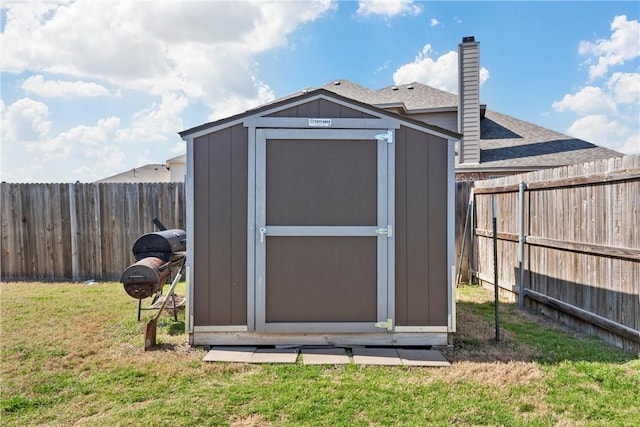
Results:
175 310
139 308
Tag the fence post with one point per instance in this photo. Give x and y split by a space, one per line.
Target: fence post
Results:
494 211
521 239
73 226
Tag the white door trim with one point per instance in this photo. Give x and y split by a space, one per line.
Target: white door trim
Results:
258 230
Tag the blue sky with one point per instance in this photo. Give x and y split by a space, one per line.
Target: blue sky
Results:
92 88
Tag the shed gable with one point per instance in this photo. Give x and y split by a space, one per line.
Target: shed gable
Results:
322 108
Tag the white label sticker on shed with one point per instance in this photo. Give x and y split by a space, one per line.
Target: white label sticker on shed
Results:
320 123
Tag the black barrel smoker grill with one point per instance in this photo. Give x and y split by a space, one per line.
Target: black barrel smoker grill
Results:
159 256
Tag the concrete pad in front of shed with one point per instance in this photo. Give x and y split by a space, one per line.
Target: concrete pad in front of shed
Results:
230 354
325 356
419 357
376 356
274 355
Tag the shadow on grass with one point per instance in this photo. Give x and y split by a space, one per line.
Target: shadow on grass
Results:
525 336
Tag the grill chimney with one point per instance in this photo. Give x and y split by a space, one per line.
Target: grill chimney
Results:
469 100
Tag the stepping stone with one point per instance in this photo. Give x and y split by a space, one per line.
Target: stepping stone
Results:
274 355
419 357
230 354
325 356
376 356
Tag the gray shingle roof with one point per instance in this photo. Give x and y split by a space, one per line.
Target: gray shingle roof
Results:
505 142
508 142
414 96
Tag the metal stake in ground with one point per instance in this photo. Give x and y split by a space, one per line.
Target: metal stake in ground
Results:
495 265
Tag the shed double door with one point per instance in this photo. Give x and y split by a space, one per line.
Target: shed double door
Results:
324 230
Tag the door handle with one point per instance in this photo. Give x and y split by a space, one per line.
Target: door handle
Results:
263 232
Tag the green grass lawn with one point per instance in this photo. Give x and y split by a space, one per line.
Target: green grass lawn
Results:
73 354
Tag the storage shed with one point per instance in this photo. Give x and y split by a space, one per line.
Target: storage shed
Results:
318 219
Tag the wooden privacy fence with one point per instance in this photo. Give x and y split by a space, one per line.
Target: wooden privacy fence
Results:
80 231
570 242
462 231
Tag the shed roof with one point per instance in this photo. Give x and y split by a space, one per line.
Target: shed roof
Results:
304 95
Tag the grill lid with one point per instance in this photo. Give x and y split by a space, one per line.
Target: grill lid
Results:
160 244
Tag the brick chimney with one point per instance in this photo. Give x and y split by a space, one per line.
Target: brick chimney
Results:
469 100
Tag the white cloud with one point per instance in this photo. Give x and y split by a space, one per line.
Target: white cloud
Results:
88 152
58 88
609 114
434 22
625 87
441 73
180 53
388 8
158 122
169 47
179 148
23 121
623 45
589 100
231 103
383 67
602 130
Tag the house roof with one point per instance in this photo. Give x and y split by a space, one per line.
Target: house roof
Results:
413 97
308 94
505 142
147 173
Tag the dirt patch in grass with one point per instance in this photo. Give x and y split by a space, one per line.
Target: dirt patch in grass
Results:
253 420
495 374
474 340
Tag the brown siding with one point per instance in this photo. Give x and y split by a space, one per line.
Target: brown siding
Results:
220 208
321 108
220 238
321 182
421 229
315 279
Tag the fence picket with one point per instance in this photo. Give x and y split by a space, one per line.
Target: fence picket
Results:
583 240
80 231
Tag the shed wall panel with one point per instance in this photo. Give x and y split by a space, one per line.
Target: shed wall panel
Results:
421 229
401 288
437 229
220 207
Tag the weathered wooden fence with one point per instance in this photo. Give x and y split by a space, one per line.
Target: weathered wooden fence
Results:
463 231
80 231
580 244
